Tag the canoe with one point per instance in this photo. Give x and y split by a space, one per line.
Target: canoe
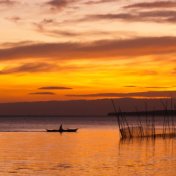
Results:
63 130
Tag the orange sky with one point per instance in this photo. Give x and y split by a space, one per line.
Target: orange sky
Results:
86 49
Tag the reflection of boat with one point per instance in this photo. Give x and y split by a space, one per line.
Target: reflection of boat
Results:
61 130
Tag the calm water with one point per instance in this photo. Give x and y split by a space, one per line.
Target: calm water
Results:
95 150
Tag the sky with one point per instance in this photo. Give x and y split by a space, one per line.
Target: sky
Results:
87 49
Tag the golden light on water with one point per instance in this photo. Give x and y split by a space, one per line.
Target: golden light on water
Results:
90 152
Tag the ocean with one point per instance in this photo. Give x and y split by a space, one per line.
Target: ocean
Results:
95 150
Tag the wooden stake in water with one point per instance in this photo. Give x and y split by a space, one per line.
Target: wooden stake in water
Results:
118 118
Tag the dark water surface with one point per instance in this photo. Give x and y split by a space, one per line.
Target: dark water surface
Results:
95 150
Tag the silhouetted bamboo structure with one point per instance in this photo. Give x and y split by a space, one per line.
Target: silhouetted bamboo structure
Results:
118 118
147 126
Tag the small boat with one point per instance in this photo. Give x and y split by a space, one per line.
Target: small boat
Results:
64 130
61 130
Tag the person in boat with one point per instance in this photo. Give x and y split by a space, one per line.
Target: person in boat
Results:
61 128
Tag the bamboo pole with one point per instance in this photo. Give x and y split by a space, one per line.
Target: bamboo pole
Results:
118 118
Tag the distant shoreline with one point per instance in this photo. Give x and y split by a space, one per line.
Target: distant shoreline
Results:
144 113
133 113
50 115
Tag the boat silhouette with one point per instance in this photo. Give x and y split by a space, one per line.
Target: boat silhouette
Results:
61 130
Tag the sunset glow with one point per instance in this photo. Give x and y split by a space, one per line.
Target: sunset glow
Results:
86 49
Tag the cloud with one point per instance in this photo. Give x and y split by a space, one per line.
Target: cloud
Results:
7 2
150 87
41 26
168 16
100 49
155 4
54 88
66 33
42 93
158 87
52 32
130 86
47 27
148 94
109 16
59 4
29 68
62 33
14 19
98 2
16 44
